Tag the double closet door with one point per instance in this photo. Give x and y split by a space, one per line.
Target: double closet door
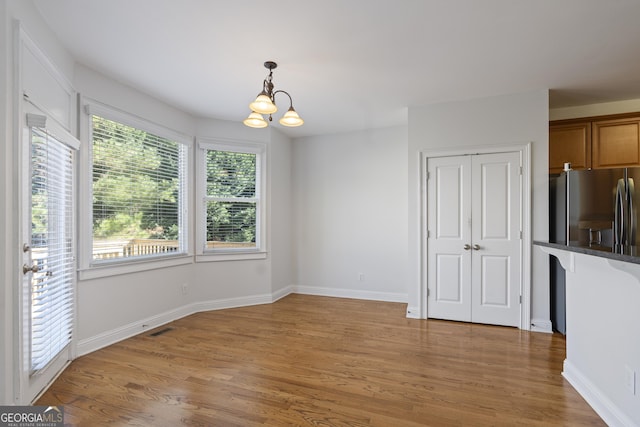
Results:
474 239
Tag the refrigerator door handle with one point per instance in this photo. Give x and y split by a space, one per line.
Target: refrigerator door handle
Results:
618 219
631 213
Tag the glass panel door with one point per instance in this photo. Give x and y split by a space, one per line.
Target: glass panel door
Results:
48 285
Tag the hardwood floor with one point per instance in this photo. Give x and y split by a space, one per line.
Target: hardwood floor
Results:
317 361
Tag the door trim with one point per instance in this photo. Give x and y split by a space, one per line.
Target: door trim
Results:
524 149
64 119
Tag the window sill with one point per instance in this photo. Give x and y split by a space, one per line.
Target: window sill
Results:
230 256
117 268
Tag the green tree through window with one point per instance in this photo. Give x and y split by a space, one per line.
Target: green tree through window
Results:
137 184
231 199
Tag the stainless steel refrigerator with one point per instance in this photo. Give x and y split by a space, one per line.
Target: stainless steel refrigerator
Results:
596 208
592 208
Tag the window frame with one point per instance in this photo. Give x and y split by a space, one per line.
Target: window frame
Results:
89 268
230 254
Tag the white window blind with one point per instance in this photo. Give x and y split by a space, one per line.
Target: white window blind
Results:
139 191
232 200
52 247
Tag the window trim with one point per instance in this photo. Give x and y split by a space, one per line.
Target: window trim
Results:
233 254
87 268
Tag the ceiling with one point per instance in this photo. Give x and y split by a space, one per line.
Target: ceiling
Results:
355 64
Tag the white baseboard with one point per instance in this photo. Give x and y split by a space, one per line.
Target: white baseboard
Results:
608 410
107 338
221 304
541 325
350 293
413 312
281 293
104 339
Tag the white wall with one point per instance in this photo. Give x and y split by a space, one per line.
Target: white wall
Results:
111 308
500 120
92 84
280 236
350 208
602 109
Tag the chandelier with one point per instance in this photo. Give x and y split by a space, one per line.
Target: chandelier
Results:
265 103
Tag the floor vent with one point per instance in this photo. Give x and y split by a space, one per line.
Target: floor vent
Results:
160 332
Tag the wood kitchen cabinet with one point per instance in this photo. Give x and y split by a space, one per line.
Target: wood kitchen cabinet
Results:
569 143
615 143
595 142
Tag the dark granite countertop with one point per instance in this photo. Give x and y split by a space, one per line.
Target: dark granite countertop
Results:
626 254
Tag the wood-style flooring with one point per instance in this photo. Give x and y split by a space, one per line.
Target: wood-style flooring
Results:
318 361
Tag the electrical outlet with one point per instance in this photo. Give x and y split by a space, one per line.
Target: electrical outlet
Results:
361 277
630 380
185 288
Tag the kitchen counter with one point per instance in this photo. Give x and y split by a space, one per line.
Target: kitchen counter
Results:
629 254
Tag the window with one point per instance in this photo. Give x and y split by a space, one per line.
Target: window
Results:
138 190
231 198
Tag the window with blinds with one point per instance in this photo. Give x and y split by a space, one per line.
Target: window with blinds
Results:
51 248
232 200
139 191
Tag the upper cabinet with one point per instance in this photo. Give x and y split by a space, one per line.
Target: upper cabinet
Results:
595 143
616 143
569 143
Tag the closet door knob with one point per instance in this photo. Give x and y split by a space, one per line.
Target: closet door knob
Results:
476 247
467 247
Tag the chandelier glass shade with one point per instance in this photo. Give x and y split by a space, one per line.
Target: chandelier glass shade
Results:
265 104
255 120
291 119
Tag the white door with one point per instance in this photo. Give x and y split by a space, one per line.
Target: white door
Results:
496 241
48 273
474 242
449 238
